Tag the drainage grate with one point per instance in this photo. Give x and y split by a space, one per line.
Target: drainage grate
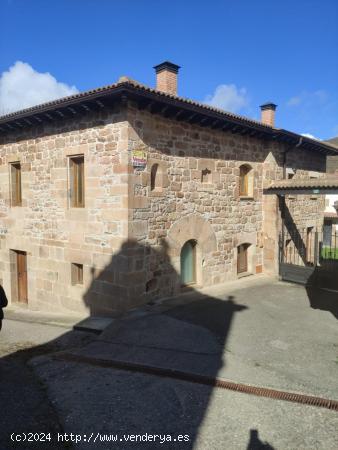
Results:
201 379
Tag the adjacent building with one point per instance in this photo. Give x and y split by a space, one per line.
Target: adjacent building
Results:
124 194
331 209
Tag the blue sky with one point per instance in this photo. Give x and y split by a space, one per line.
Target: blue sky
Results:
234 54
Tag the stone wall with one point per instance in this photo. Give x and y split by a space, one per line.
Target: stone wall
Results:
53 234
129 237
186 208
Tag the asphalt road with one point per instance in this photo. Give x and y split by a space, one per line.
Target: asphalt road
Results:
261 333
25 406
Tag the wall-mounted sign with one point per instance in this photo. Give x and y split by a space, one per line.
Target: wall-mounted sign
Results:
139 158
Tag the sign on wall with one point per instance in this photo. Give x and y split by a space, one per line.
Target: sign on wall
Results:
139 158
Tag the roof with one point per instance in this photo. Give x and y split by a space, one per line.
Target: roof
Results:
331 215
158 102
322 185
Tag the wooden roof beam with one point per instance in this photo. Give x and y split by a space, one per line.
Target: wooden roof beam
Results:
60 114
85 107
72 111
226 127
143 104
167 111
100 104
235 129
216 124
191 118
180 115
205 122
196 118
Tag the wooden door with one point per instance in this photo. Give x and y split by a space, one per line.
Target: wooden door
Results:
188 263
242 258
22 276
309 245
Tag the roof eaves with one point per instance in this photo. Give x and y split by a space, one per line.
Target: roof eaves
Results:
133 86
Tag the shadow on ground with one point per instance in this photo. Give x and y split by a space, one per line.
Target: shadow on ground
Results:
324 276
256 444
133 403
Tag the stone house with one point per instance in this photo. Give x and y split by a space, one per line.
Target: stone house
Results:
124 194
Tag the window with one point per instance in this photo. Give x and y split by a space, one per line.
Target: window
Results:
245 181
154 177
15 176
76 180
206 176
77 273
290 173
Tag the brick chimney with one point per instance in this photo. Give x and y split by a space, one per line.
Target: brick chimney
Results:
166 77
268 113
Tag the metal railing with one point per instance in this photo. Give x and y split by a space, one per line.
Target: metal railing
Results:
309 247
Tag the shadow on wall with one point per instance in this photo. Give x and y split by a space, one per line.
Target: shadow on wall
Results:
292 229
188 333
135 275
3 304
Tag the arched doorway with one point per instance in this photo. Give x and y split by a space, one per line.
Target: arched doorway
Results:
188 263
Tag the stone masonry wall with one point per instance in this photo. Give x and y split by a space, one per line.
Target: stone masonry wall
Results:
182 151
129 237
55 235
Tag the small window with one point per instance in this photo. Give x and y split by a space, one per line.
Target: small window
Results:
290 173
245 181
154 177
76 180
15 175
206 176
77 273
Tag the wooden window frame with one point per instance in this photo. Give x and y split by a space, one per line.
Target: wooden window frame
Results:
76 274
244 180
76 181
15 183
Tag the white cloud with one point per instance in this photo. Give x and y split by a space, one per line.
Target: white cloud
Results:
306 98
228 97
311 136
22 86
